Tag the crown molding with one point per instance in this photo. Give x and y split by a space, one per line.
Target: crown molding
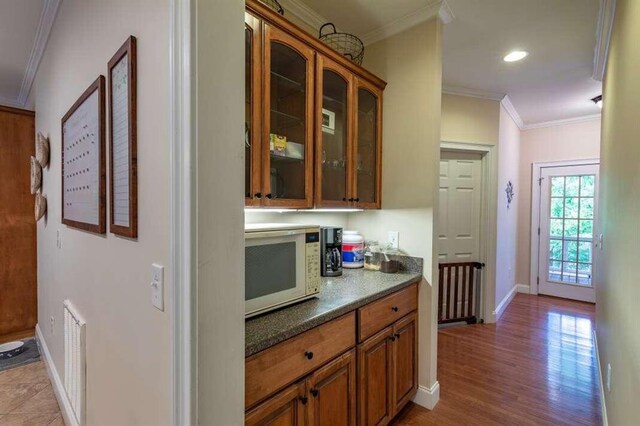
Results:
562 122
603 38
303 13
10 103
513 113
439 8
47 17
472 93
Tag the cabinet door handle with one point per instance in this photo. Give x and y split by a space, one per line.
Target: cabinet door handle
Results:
397 336
304 399
350 199
268 196
258 195
344 198
392 338
309 355
394 309
314 392
356 199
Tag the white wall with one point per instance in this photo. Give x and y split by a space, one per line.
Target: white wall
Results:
218 88
617 289
411 63
567 142
129 369
507 218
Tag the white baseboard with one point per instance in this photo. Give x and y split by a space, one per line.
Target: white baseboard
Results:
428 397
605 421
56 381
502 306
523 288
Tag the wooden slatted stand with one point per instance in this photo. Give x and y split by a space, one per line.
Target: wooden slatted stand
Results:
459 287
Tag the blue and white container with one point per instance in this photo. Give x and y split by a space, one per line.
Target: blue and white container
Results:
352 250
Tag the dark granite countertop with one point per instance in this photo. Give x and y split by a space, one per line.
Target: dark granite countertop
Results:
338 296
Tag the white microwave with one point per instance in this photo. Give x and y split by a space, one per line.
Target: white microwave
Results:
282 265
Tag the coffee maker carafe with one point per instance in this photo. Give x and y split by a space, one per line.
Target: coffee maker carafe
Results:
331 251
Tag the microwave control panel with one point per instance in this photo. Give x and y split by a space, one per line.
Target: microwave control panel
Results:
313 263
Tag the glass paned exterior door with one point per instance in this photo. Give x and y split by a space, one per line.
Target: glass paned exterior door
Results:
568 217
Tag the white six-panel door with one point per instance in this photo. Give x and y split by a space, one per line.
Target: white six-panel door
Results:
459 208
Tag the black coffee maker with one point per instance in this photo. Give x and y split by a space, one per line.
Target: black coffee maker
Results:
331 251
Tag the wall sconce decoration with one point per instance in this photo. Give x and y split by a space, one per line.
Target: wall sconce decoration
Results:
41 206
36 175
597 100
510 193
42 150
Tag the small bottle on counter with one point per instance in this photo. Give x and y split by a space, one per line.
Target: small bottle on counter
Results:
352 250
372 255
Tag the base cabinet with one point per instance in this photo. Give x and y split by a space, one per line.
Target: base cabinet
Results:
326 398
325 377
332 393
387 372
287 408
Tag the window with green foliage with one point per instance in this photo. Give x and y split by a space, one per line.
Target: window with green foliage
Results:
571 218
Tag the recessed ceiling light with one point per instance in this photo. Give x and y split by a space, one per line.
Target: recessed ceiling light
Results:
516 55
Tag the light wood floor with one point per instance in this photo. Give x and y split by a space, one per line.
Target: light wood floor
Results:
26 397
536 366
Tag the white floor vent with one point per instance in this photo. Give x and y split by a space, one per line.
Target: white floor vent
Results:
74 361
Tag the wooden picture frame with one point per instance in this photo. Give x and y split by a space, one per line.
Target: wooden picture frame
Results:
83 161
123 159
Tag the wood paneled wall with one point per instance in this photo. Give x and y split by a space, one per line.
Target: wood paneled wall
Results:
18 264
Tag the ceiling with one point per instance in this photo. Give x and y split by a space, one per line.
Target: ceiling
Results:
553 83
19 29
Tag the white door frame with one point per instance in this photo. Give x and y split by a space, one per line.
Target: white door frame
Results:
536 170
488 217
182 206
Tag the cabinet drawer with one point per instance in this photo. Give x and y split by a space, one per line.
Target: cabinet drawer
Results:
273 368
379 314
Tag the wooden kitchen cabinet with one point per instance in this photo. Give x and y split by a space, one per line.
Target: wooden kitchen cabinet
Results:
328 376
367 150
312 120
375 363
332 393
287 408
387 371
253 100
405 361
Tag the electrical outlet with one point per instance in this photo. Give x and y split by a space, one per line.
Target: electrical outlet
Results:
393 238
608 378
52 320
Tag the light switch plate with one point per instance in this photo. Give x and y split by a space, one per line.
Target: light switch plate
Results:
157 286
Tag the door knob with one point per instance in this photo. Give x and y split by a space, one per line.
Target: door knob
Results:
258 194
394 309
309 355
314 392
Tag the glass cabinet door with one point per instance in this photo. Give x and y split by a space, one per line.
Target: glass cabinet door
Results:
367 150
333 134
252 155
287 179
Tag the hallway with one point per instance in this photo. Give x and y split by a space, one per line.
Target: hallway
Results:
537 365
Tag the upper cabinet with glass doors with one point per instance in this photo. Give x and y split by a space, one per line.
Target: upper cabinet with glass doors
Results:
313 129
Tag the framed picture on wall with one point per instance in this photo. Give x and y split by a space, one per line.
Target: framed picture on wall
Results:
83 161
123 176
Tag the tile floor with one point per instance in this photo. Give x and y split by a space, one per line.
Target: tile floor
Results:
27 398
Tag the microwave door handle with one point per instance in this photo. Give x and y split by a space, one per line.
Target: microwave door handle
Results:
271 234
